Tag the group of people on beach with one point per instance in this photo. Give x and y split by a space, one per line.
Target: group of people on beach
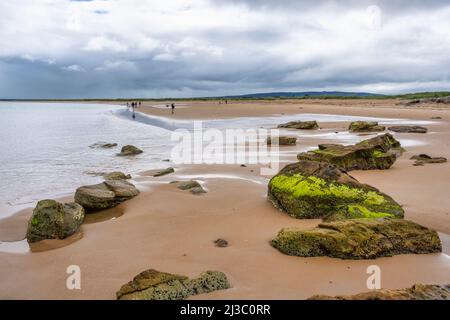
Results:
136 104
133 105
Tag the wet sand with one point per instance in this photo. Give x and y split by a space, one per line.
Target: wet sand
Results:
172 230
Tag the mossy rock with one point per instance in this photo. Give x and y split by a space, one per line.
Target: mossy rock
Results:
155 285
54 220
379 152
301 125
282 141
365 126
359 239
105 195
416 292
311 190
129 150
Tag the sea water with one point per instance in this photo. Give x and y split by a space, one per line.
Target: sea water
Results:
45 147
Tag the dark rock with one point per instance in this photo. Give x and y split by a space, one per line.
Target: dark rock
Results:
154 285
129 150
422 159
303 125
359 239
365 126
282 141
311 190
408 129
376 153
221 243
54 220
105 195
416 292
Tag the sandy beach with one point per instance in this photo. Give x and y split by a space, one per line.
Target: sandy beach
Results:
173 231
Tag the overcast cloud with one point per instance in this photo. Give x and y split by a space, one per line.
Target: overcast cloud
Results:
179 48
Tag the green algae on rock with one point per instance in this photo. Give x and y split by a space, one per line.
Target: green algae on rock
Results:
416 292
311 190
155 285
376 153
365 126
54 220
358 239
302 125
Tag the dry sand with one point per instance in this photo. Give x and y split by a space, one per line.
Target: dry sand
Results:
172 230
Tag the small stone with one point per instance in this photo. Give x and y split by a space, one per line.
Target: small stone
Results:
221 243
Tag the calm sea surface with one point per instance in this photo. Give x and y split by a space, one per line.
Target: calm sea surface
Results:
45 153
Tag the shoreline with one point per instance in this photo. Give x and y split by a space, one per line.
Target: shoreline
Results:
154 231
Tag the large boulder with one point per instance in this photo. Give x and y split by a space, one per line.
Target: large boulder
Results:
358 239
155 285
365 126
408 129
54 220
282 141
416 292
129 150
303 125
311 189
376 153
105 195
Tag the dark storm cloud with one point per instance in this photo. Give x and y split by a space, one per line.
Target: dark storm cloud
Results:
149 49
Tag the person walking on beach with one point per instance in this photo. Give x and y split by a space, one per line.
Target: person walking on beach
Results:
173 108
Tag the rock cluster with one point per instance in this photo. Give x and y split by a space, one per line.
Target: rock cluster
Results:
105 195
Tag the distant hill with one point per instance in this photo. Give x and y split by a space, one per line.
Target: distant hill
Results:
305 94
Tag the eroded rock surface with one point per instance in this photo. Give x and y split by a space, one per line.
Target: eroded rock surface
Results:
155 285
359 239
303 125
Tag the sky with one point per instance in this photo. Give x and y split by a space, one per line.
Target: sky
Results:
194 48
